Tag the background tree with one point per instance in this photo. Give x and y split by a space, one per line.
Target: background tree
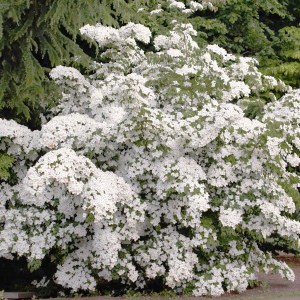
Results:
267 30
38 35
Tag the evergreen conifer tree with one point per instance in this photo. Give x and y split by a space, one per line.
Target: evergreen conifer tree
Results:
38 35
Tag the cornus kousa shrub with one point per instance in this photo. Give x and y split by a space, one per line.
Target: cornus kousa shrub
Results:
149 169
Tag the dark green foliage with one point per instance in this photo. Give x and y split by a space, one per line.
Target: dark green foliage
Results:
287 62
17 277
264 29
243 27
38 35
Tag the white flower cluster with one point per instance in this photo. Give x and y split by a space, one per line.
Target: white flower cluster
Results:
193 6
105 36
150 168
185 8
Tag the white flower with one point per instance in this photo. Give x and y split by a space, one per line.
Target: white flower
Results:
230 217
174 52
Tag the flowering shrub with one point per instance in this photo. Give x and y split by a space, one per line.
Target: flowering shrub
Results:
149 168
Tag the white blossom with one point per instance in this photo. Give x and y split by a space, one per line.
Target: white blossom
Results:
147 163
